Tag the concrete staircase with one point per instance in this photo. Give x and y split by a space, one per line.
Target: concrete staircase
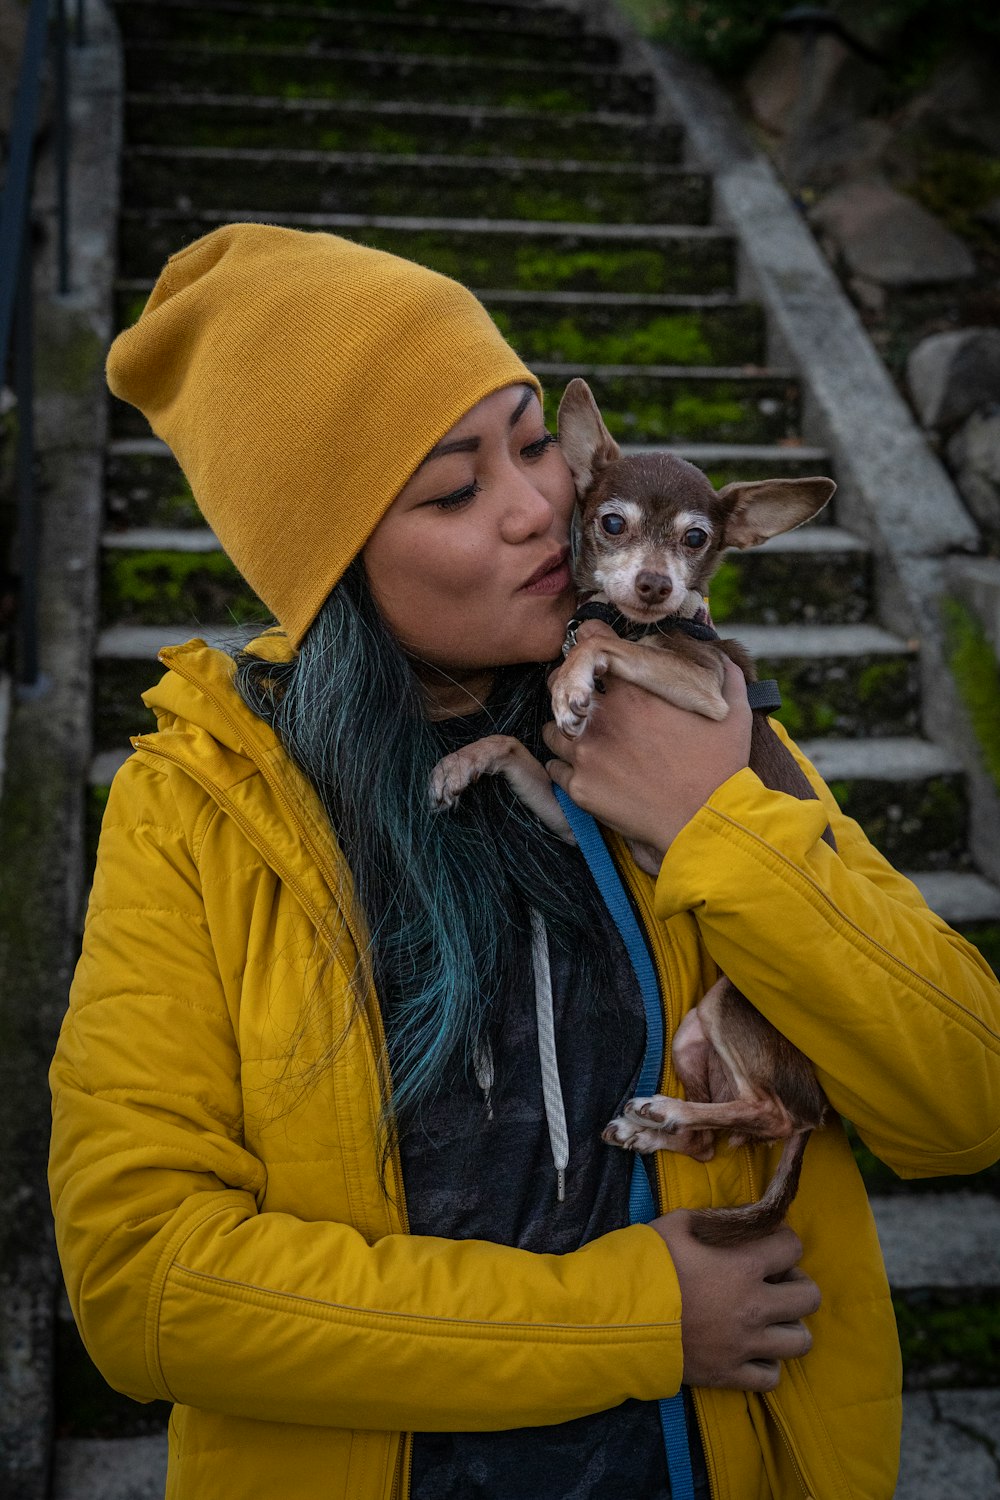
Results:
555 189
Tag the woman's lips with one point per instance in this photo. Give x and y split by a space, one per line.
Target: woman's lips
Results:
553 578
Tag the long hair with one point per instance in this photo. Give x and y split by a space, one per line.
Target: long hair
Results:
445 896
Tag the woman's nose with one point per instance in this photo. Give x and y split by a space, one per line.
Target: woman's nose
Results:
527 510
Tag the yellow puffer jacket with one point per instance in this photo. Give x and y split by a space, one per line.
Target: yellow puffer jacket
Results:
223 1232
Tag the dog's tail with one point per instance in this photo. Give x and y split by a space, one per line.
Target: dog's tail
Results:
752 1221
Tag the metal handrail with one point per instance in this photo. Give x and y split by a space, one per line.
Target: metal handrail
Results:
16 289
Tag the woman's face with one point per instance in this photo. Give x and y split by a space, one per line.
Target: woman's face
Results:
470 565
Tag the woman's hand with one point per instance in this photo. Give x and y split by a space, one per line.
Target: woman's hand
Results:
741 1309
644 767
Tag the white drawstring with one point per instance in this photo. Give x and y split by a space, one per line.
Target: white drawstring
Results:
555 1111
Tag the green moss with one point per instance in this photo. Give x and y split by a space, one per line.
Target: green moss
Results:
880 680
949 1338
600 270
974 666
162 587
955 185
666 340
727 593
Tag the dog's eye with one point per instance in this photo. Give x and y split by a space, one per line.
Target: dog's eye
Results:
695 537
613 524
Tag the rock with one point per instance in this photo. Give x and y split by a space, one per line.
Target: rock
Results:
889 238
974 455
814 95
951 375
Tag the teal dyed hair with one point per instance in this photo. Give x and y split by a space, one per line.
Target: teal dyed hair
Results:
446 896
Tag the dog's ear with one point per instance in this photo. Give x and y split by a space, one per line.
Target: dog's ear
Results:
586 443
762 508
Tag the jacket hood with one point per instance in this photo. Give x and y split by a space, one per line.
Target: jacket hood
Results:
204 727
196 693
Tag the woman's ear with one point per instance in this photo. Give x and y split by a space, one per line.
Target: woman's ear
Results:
586 443
763 508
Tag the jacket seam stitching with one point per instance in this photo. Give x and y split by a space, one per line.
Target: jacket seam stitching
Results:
794 877
220 1286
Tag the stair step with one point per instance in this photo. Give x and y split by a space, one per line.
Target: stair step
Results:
939 1239
725 463
158 574
352 182
672 403
315 27
484 253
964 900
333 73
663 402
610 328
843 680
908 795
836 679
145 488
389 126
817 575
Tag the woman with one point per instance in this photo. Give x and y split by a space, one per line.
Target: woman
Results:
253 1223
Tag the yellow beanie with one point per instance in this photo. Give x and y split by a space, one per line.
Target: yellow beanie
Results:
300 379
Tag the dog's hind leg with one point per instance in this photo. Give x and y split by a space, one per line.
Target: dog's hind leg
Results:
500 755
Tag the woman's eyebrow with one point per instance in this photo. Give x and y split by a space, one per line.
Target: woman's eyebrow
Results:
471 444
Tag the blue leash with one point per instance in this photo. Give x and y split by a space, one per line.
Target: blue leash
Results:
641 1203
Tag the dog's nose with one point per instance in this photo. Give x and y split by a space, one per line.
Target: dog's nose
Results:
652 588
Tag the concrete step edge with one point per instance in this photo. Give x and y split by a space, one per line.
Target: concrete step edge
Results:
888 758
412 61
666 372
903 760
775 642
703 454
958 897
290 156
658 301
161 539
816 539
394 108
523 228
941 1240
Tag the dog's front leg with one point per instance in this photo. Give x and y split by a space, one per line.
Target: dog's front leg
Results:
500 755
689 674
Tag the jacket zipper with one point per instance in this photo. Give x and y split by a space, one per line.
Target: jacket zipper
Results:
318 918
404 1468
772 1408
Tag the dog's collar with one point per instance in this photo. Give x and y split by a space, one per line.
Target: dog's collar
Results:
765 696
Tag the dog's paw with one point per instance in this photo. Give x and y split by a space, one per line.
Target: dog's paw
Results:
572 704
659 1124
629 1137
449 779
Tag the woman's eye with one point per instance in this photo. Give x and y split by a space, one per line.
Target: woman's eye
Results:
695 537
536 449
612 524
459 498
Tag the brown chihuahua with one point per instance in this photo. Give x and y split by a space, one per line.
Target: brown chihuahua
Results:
649 533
